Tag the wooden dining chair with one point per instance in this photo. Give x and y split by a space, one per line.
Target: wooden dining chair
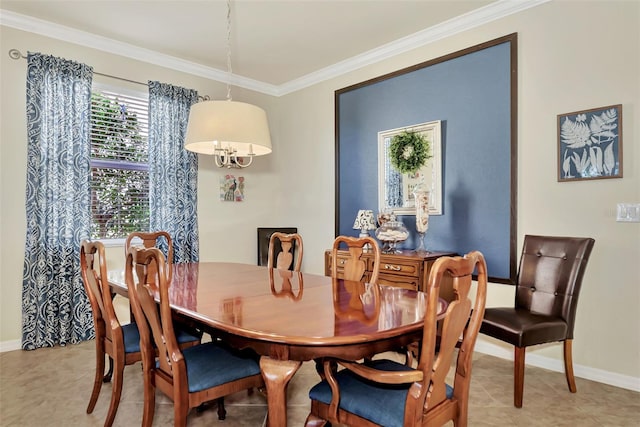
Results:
153 239
288 245
163 241
391 394
546 299
121 343
191 376
354 267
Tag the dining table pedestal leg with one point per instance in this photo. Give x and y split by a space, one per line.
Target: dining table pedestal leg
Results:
277 374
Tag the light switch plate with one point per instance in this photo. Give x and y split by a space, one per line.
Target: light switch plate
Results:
628 212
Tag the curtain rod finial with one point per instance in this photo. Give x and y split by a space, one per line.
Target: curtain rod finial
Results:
15 54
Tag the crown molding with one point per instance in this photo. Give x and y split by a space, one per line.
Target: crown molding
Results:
82 38
481 16
476 18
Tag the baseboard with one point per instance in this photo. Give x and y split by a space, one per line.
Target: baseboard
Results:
10 345
586 372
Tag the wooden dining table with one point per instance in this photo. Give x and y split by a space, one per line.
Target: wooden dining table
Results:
289 317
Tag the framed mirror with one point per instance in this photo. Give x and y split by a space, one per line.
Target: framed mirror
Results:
395 189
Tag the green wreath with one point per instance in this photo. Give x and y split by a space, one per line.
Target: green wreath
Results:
409 151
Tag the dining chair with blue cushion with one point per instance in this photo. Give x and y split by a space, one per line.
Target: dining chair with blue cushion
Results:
163 241
121 343
387 393
189 377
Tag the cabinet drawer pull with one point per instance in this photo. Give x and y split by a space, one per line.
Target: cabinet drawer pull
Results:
392 267
342 261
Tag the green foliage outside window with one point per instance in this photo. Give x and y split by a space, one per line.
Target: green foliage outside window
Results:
119 169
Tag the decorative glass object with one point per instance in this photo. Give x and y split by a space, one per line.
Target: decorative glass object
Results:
421 198
385 216
390 234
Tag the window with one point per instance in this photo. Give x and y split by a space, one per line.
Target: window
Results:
119 164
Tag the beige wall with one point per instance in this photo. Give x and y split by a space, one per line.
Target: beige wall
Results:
572 56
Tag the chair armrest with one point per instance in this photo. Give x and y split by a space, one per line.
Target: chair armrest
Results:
370 373
385 377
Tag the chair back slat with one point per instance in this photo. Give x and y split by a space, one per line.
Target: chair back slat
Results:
355 266
290 247
93 268
154 239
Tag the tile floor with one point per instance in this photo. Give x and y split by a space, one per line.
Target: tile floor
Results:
51 387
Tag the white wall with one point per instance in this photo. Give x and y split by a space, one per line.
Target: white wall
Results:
227 230
572 56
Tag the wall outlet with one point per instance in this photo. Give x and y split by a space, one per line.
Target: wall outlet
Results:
628 212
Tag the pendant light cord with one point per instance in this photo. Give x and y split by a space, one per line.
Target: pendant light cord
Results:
229 70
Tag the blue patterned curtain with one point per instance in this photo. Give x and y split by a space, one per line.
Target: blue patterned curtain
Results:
173 171
55 309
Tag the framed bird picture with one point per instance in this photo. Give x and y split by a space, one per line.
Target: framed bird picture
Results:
590 144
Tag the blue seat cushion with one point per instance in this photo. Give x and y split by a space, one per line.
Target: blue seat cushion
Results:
210 365
131 338
183 336
382 404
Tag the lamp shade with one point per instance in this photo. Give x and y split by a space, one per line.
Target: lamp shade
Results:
364 220
228 124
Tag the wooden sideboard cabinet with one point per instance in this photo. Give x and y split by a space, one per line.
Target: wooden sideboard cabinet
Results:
406 269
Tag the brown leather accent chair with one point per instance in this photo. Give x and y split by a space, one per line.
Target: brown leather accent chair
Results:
547 290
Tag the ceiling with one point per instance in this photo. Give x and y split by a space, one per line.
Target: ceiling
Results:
273 43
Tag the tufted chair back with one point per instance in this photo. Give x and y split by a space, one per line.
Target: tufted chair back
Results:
549 281
550 276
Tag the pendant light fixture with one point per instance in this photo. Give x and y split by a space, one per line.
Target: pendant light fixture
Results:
233 132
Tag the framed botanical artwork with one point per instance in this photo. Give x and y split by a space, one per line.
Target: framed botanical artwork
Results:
590 144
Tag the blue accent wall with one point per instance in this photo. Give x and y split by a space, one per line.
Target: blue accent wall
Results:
471 95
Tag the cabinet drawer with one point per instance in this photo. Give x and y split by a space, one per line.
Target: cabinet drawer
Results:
398 281
341 260
402 267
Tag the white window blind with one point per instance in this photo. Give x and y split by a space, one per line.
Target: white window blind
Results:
119 164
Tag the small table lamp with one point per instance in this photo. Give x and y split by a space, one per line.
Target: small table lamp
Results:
364 222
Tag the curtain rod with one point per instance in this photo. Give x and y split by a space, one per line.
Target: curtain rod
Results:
16 54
